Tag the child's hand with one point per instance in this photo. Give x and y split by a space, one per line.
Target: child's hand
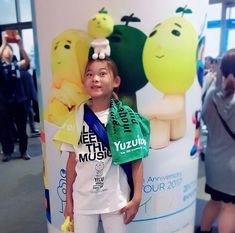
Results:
130 211
67 225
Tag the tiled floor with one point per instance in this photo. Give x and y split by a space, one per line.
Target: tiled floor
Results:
22 196
22 193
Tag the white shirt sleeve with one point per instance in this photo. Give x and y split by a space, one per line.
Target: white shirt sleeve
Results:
67 147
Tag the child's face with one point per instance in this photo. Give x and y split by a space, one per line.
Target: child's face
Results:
99 81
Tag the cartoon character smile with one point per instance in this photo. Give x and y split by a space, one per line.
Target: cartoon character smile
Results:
160 56
169 59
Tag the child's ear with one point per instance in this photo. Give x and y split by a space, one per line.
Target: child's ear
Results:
117 81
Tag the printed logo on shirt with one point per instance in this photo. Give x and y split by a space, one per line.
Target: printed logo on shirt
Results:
95 148
99 178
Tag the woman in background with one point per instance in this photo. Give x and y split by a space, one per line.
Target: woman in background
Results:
218 113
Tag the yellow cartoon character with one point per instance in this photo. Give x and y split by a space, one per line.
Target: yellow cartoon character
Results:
69 54
100 26
169 58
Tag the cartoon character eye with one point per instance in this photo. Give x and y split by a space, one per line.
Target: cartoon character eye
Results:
104 18
153 33
56 45
67 46
175 32
114 39
116 36
94 19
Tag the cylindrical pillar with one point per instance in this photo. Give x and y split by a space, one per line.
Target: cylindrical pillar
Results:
154 44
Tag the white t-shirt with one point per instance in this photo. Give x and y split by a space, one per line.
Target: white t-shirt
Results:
99 187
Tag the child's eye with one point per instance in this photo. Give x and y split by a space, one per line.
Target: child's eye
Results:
102 74
88 75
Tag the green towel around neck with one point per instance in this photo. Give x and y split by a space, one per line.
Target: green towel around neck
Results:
128 133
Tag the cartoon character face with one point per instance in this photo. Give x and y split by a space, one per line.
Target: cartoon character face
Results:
169 55
101 25
69 54
99 166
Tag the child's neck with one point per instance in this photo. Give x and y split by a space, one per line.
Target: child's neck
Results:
98 105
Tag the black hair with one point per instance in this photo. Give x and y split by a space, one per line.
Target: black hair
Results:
228 71
209 58
111 65
228 63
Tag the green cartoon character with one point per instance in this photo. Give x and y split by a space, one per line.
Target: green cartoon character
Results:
127 44
169 59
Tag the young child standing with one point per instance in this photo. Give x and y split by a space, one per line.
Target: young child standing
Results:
96 188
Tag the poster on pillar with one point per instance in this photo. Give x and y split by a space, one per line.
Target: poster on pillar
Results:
158 48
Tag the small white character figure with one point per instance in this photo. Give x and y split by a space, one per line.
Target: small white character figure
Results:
100 26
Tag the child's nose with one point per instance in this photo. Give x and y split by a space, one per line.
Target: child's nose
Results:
96 78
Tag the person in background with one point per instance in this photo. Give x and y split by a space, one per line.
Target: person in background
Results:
13 98
207 64
218 113
209 74
31 95
208 80
32 71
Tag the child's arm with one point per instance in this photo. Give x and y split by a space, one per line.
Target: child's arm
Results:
137 173
70 177
131 208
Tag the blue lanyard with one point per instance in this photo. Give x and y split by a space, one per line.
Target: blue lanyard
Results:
95 124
